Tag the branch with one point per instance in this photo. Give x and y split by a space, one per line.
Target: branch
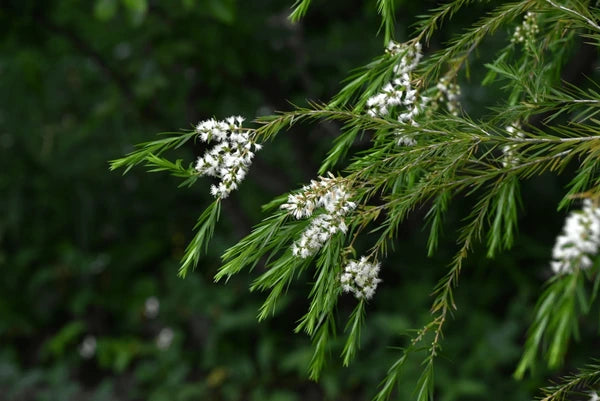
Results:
575 13
586 376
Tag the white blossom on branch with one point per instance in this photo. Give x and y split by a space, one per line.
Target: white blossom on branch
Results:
580 240
527 30
332 195
231 156
361 278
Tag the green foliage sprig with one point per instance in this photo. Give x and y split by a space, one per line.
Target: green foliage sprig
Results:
424 153
585 378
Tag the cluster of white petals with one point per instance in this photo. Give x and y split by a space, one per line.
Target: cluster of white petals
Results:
231 156
404 140
394 48
151 307
87 348
580 240
328 193
411 56
450 92
361 278
510 156
165 337
395 93
527 30
399 91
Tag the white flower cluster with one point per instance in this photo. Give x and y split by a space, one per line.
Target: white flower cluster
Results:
594 396
399 91
510 156
230 158
165 337
361 278
394 48
151 307
580 240
404 140
329 193
527 30
395 93
87 348
450 92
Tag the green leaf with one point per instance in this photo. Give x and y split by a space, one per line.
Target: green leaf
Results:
300 8
199 244
354 326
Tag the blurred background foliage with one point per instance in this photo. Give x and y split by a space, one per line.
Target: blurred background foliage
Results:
90 304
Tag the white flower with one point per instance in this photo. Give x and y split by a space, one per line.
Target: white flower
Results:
320 230
329 193
230 158
360 278
399 91
165 338
87 349
527 30
510 156
406 141
450 93
579 242
394 48
151 307
594 396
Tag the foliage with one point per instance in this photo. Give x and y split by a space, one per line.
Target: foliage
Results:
82 249
425 154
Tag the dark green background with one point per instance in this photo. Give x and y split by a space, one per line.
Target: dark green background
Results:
81 248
